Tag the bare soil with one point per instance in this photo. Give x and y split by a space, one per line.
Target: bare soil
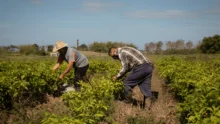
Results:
163 109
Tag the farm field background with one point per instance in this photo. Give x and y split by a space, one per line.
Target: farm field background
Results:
181 38
188 87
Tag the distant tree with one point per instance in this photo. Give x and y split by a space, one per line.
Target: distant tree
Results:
104 46
83 47
131 45
36 48
170 45
32 49
12 48
210 45
189 45
98 47
110 44
27 49
42 51
147 48
151 47
50 48
4 50
159 45
179 44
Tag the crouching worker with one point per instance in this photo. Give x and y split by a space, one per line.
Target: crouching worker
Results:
74 59
140 68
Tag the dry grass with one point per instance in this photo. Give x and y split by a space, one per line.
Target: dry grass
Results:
162 111
36 114
93 54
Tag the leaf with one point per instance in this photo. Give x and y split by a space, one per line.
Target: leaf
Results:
191 118
99 115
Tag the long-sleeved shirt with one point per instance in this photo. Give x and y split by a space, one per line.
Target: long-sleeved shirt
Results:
130 57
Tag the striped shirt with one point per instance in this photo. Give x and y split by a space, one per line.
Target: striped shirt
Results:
130 57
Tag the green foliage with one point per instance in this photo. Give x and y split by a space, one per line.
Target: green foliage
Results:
27 49
98 47
104 46
210 45
181 51
8 50
27 81
50 48
197 85
54 119
83 47
31 49
140 120
94 102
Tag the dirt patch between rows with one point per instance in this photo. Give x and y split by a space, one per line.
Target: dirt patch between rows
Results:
163 109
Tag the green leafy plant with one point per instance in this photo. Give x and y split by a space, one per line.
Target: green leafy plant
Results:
196 84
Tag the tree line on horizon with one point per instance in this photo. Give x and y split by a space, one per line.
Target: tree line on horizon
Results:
209 45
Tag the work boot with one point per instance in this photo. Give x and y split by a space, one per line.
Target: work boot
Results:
148 101
128 97
77 87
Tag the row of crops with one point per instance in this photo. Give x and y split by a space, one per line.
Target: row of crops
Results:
197 86
26 83
195 83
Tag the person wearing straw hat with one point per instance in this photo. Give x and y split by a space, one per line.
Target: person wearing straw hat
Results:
74 59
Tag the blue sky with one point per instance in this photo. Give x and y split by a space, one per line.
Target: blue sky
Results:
131 21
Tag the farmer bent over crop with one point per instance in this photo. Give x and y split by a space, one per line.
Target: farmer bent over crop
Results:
74 59
140 68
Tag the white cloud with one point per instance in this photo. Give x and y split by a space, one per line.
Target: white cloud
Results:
99 6
161 14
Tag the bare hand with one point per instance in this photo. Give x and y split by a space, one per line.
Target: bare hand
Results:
114 78
61 77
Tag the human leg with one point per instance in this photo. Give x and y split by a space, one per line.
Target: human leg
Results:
80 72
136 77
145 88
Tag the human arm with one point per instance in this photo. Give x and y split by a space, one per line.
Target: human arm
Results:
59 61
57 65
123 71
125 66
69 67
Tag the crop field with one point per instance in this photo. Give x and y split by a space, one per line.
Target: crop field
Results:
188 86
196 84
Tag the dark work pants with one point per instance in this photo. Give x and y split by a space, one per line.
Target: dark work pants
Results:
141 76
80 73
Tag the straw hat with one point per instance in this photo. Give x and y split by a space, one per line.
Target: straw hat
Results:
59 45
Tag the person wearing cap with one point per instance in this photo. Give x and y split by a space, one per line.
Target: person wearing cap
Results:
140 68
74 59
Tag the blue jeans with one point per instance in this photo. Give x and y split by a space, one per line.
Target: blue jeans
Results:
140 75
